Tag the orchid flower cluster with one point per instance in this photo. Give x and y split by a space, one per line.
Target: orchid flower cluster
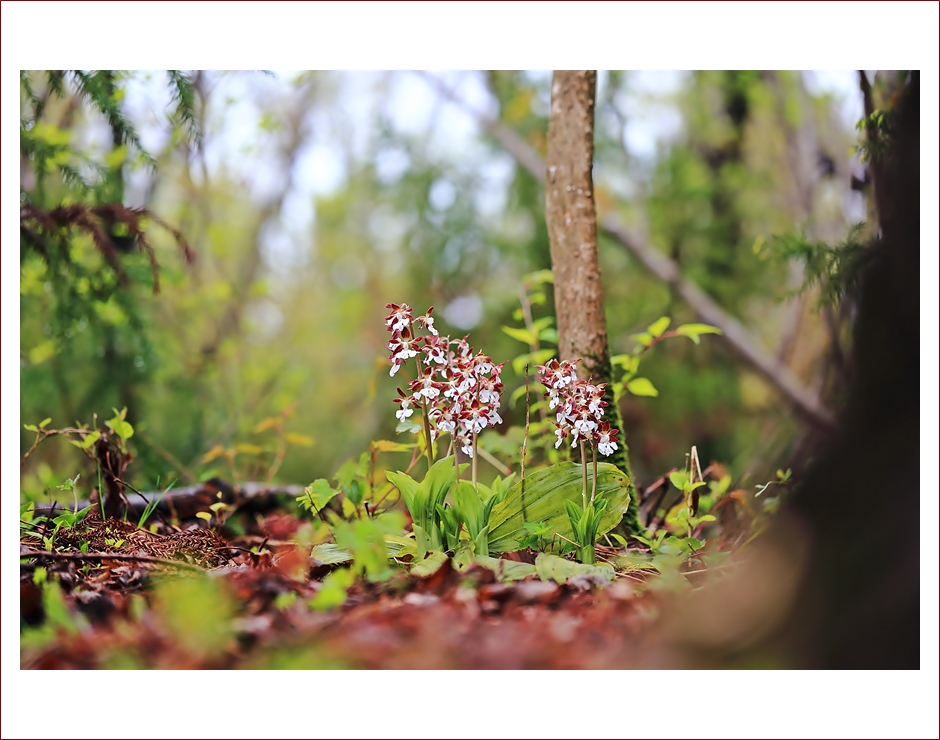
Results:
459 391
580 407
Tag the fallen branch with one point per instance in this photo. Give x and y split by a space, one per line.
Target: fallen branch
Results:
100 556
183 503
804 401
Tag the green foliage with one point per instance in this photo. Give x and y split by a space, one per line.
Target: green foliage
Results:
553 568
878 132
540 497
423 500
537 537
507 570
654 334
584 525
197 612
152 505
473 510
365 539
317 495
833 270
332 592
120 427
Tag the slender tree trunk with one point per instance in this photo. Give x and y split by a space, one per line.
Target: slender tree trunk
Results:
572 230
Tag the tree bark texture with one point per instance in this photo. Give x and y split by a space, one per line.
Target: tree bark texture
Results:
572 231
572 224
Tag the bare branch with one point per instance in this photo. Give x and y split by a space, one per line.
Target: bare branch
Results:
804 401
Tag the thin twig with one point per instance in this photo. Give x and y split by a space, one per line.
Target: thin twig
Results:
525 439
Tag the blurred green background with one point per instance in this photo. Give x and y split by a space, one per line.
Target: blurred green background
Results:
313 199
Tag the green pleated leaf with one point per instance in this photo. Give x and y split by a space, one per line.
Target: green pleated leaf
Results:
541 497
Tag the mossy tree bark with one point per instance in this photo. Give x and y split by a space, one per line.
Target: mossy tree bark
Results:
572 230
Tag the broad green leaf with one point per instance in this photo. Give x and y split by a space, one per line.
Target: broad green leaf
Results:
679 479
439 479
693 331
629 363
523 335
659 326
207 515
644 338
541 496
506 570
539 277
553 568
399 546
30 427
549 335
45 422
406 484
333 591
543 323
642 387
410 427
88 441
469 507
319 494
429 565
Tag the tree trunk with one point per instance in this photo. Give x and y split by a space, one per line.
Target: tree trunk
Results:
856 608
572 231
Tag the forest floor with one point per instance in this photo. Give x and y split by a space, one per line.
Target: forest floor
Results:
194 598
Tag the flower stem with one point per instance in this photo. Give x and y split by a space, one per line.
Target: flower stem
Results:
583 477
594 477
473 462
425 419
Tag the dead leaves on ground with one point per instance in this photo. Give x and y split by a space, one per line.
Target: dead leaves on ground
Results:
250 610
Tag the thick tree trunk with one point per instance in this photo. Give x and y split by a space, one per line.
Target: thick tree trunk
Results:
572 230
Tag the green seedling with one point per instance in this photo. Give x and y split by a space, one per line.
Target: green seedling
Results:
584 524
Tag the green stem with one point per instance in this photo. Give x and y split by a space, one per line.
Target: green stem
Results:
586 554
473 462
583 477
594 477
424 418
